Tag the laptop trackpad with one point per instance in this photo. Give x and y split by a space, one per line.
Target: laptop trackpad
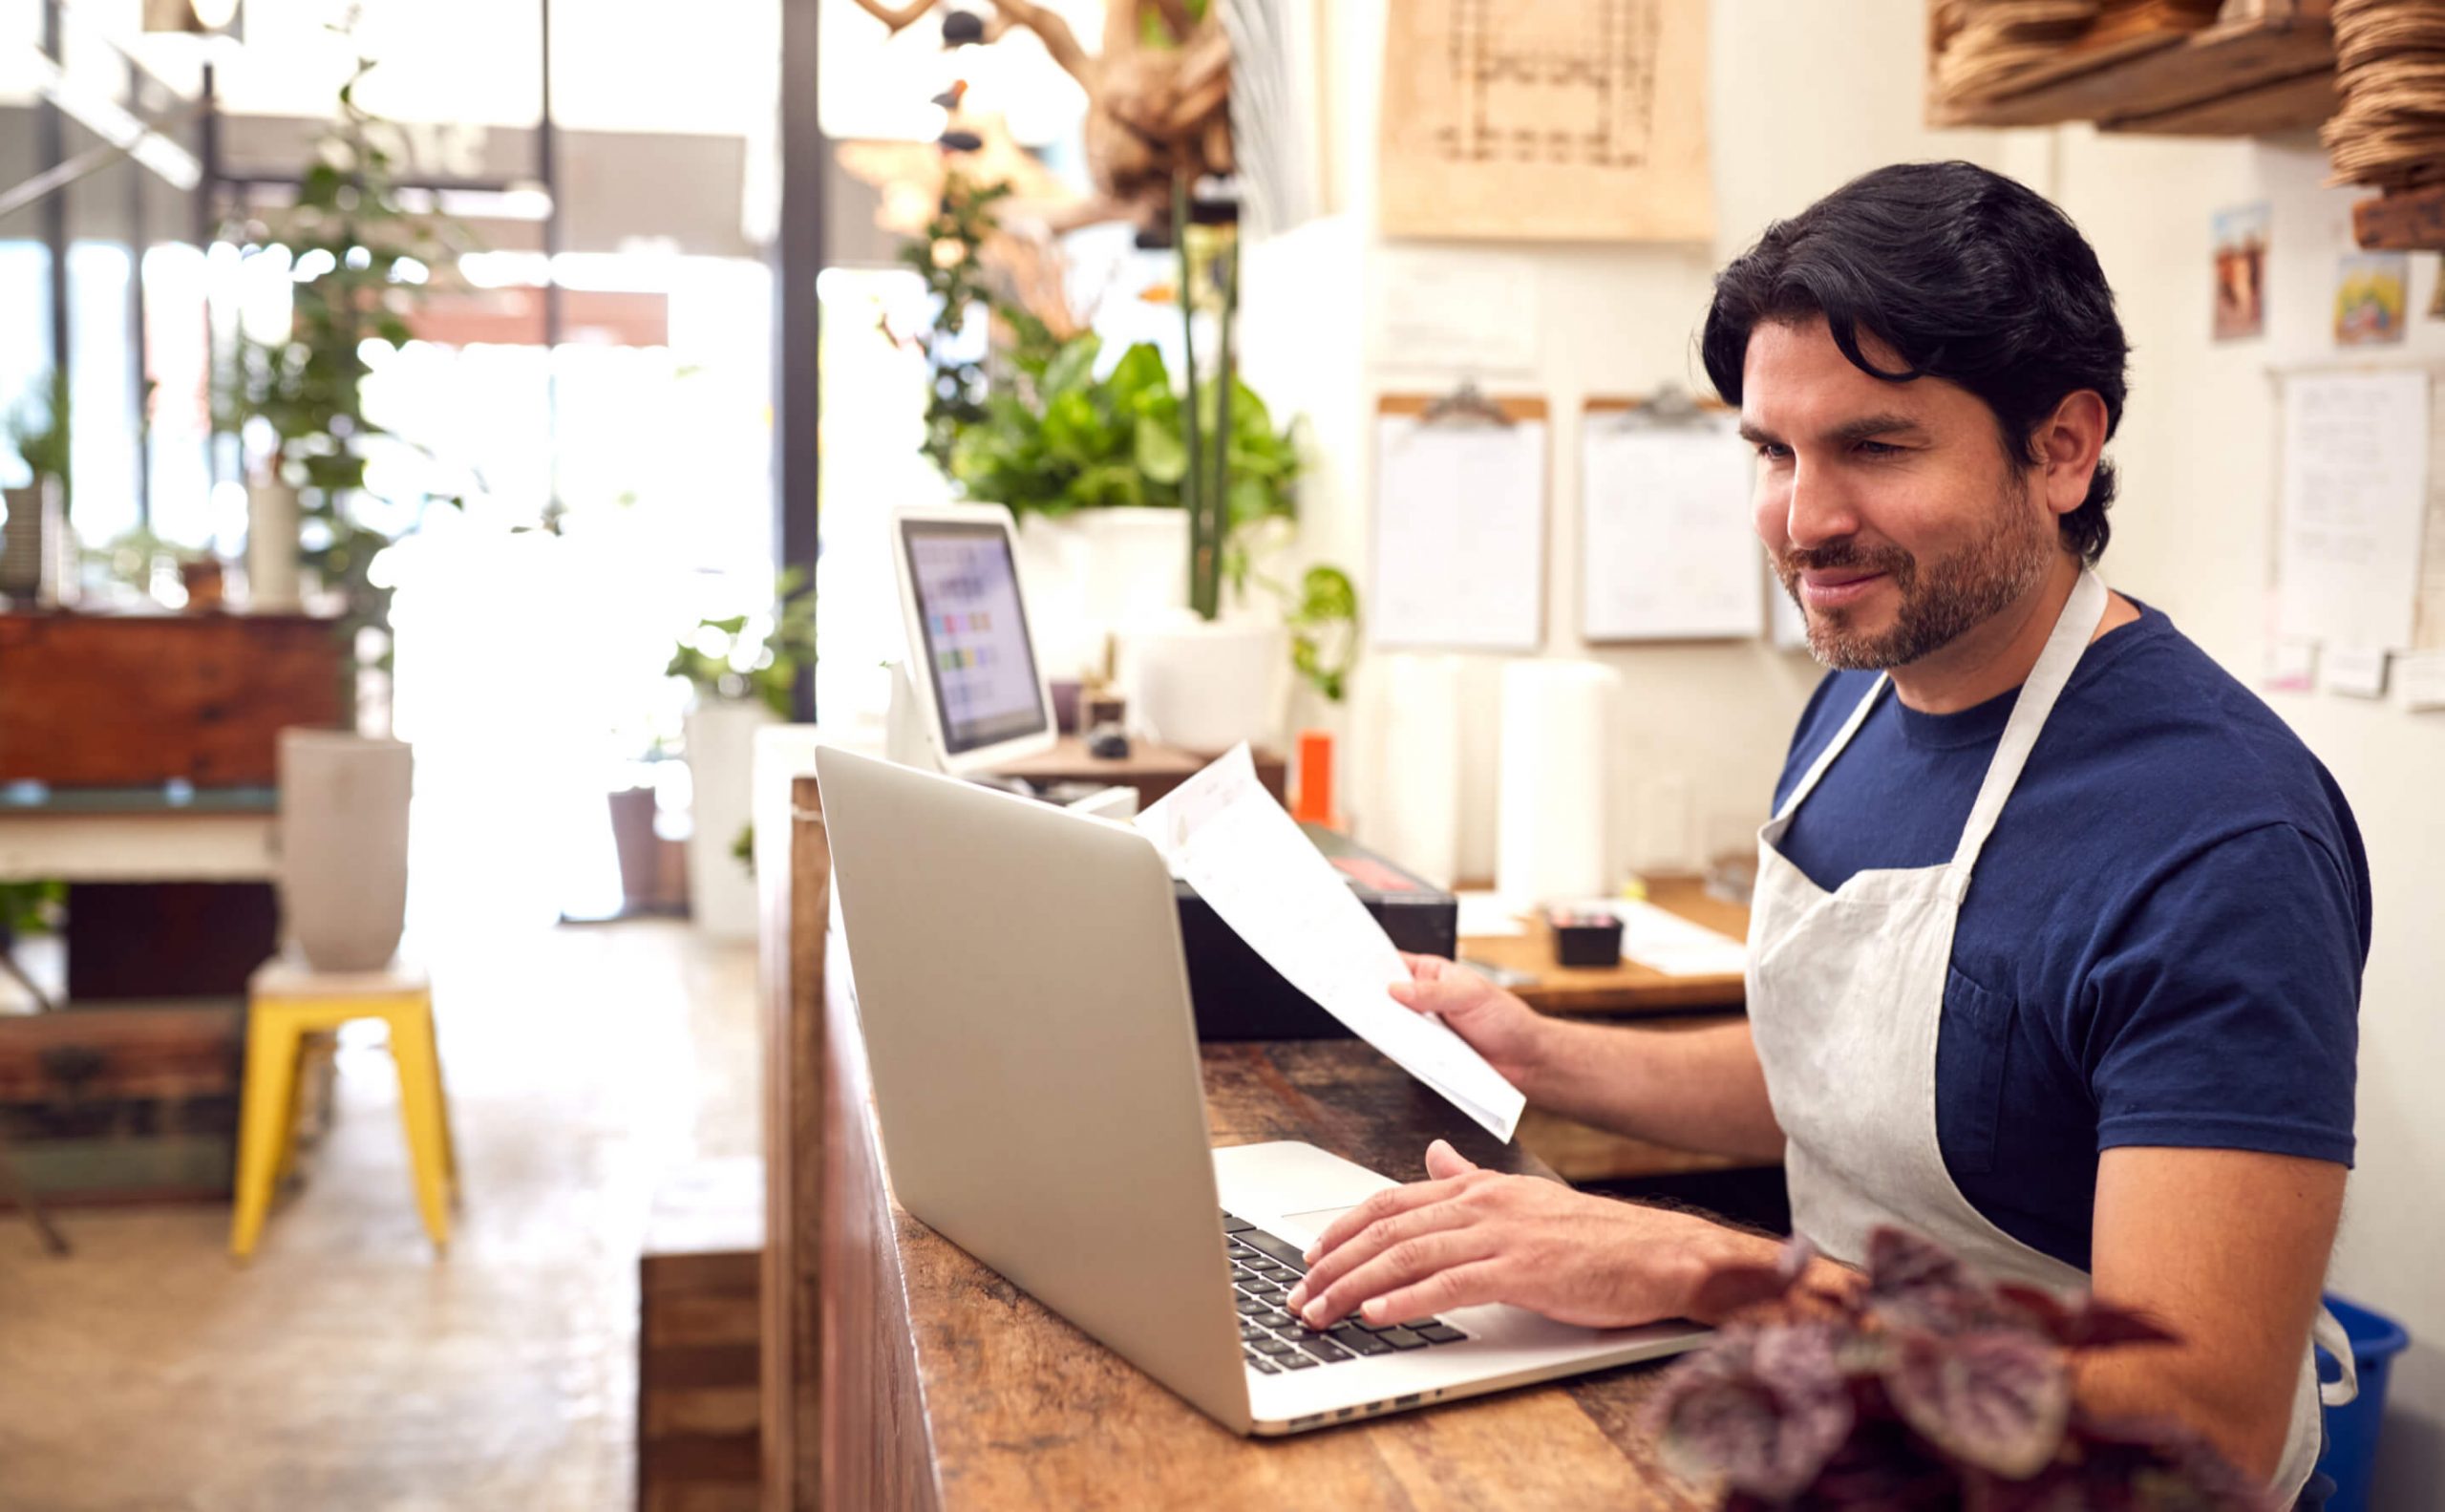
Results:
1313 1223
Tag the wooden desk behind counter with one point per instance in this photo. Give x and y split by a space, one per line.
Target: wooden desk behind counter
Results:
901 1373
1624 991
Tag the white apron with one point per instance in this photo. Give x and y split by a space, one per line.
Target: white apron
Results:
1845 996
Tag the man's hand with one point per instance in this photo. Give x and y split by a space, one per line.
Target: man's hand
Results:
1496 1024
1467 1236
1692 1089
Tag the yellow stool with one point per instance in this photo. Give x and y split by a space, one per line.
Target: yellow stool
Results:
289 1000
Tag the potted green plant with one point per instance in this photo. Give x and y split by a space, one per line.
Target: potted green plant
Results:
1162 492
362 263
1211 678
741 669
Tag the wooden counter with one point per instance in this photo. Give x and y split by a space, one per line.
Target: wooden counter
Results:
900 1373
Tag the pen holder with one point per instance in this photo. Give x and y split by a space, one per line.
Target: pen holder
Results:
1586 939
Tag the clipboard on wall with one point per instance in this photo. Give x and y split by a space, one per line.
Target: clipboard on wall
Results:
1667 551
1457 558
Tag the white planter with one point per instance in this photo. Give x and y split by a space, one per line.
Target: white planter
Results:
344 846
1133 565
1096 572
1205 687
271 545
1048 577
31 534
720 736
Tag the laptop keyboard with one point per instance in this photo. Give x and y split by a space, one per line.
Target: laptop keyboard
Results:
1272 1340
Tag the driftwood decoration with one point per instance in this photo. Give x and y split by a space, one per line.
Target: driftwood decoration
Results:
1154 112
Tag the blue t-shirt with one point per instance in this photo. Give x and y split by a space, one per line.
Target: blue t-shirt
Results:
2163 942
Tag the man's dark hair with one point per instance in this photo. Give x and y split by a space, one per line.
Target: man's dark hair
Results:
1967 276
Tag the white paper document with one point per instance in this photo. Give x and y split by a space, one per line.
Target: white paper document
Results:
1460 554
1662 941
1667 551
1223 834
2356 488
2421 677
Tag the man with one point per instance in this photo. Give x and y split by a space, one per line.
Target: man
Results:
2057 936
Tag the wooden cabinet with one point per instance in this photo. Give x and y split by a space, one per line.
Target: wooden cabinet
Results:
107 700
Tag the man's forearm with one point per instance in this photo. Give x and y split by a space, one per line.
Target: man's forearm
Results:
1696 1089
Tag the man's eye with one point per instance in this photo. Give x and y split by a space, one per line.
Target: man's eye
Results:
1773 451
1878 449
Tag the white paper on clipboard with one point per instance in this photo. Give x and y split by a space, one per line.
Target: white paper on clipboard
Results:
1667 550
1460 539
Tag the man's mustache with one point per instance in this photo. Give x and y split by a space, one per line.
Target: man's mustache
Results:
1846 556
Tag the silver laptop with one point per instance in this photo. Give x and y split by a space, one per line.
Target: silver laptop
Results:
1020 985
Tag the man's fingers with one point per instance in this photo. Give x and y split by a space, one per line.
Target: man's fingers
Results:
1387 1233
1464 1285
1399 1266
1445 1164
1375 1209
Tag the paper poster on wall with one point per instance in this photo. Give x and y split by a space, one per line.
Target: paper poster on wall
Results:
1531 120
2421 677
2358 672
2241 272
1459 533
2372 299
1454 311
2351 515
2428 628
1666 547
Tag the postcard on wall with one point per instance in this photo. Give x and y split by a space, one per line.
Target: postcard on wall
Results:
2372 298
2241 272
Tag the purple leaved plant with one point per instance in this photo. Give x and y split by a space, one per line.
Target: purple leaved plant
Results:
1928 1386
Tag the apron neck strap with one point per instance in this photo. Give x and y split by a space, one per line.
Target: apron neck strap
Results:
2073 629
1833 748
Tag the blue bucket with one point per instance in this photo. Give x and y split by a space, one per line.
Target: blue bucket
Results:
2350 1457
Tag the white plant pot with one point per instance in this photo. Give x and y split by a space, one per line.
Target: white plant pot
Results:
720 736
271 546
31 541
1049 569
1205 687
1093 573
344 846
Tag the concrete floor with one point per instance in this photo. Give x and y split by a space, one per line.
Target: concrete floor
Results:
347 1367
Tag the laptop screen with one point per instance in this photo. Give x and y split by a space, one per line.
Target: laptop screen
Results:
976 633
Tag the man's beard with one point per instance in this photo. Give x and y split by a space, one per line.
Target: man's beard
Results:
1941 601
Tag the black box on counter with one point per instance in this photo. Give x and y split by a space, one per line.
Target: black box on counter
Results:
1237 996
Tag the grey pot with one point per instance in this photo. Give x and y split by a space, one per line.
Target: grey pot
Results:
344 846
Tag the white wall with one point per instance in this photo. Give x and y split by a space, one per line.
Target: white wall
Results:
1804 97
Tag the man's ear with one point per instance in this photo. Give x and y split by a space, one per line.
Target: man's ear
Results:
2067 445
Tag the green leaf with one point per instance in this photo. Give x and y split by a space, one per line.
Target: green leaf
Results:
1140 374
1160 452
1071 370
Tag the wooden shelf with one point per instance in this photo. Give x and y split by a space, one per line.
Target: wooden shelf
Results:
2271 72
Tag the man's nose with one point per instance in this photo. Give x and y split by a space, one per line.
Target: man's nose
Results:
1817 509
